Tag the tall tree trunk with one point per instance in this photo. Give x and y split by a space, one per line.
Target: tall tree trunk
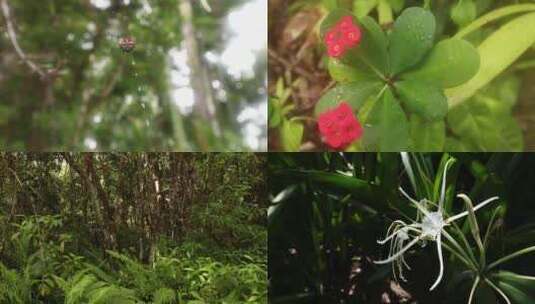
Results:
199 79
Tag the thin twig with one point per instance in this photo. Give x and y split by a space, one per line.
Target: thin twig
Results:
290 66
206 6
13 37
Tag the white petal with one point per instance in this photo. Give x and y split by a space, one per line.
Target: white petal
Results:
395 256
406 229
465 213
407 196
441 263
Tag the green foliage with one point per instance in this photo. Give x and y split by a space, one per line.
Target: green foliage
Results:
451 62
414 70
354 93
204 243
387 127
441 62
15 288
497 52
411 38
85 287
323 232
164 296
93 92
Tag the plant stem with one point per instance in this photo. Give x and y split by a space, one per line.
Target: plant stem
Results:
461 251
498 290
460 256
465 241
473 289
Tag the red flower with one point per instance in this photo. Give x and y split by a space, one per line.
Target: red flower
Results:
345 23
344 35
335 50
352 37
339 127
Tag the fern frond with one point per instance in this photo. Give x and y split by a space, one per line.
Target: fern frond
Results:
165 296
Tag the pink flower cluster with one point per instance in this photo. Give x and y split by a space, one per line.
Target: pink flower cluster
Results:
343 36
339 127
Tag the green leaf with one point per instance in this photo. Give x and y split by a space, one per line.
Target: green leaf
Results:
427 135
423 98
485 127
451 62
497 52
275 115
354 93
291 135
397 5
521 289
455 145
334 181
474 226
330 4
384 12
386 128
463 12
411 38
373 45
362 8
494 15
343 72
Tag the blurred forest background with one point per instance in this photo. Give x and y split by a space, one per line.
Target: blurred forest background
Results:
133 228
194 81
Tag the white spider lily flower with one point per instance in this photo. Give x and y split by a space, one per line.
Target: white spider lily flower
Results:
431 228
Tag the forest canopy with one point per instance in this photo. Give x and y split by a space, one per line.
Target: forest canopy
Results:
132 228
102 75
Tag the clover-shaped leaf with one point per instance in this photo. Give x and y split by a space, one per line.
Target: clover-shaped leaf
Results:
386 127
423 98
373 47
342 72
451 63
427 135
354 93
411 38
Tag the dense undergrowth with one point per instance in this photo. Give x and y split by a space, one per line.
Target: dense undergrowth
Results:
39 269
63 256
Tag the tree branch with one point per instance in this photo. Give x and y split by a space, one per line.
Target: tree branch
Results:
13 37
206 6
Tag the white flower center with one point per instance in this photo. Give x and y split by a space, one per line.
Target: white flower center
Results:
403 234
432 224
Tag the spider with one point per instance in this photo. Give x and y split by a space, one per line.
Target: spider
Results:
127 43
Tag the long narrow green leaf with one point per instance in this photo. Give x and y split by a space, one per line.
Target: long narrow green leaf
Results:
336 180
494 15
497 52
474 226
511 256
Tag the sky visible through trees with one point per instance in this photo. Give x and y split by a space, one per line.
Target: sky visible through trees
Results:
195 79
